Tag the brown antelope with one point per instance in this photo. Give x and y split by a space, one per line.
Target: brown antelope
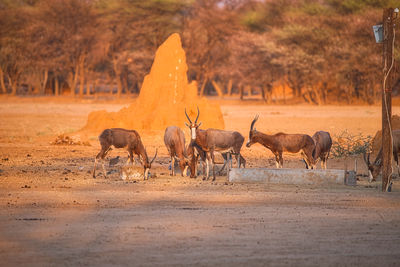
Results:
122 138
281 142
195 152
211 140
174 140
375 168
323 144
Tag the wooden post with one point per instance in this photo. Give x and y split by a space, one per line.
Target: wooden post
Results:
388 62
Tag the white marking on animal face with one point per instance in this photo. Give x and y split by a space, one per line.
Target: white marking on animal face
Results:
370 176
193 132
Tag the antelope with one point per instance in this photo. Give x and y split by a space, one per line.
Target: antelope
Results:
210 140
281 142
194 157
174 140
323 144
375 168
122 138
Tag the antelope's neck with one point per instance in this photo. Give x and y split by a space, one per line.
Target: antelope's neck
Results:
201 139
143 153
264 139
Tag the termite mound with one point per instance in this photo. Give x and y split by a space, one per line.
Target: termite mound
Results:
164 95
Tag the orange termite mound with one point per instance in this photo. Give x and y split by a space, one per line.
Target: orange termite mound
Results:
164 95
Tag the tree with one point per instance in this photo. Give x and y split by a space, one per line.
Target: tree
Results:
205 39
61 35
12 46
133 31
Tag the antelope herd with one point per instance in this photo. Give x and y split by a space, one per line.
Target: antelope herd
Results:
205 142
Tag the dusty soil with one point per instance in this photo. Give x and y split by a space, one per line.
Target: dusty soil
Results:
52 212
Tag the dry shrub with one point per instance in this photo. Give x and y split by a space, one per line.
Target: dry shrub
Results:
67 140
347 144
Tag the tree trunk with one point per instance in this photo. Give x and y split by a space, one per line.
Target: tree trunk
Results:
125 84
118 78
262 89
229 87
87 83
82 75
56 86
203 85
2 84
13 85
218 88
73 80
43 82
317 95
247 89
324 91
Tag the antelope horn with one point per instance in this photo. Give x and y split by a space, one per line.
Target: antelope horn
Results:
154 156
187 116
253 122
198 114
365 157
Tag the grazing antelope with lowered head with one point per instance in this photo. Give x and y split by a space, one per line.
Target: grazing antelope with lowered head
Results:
174 140
122 138
210 140
323 144
375 168
281 142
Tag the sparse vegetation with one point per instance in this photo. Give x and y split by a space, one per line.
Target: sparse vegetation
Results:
347 144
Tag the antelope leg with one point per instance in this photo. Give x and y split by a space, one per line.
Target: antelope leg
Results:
94 167
104 168
213 165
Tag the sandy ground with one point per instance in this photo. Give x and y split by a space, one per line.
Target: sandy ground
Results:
52 212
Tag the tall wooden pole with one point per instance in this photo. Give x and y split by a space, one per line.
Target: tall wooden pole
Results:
387 148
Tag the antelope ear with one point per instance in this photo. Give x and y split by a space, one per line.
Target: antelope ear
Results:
199 124
187 124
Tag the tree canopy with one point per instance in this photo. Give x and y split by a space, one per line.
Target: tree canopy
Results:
322 50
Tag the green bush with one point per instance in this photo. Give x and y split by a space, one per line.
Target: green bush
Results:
347 144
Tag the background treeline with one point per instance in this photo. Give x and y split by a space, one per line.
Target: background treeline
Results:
323 51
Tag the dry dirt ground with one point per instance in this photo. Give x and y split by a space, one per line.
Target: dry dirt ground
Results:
52 212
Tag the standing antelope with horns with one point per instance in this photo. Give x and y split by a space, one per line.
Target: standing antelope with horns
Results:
174 140
122 138
281 142
211 140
